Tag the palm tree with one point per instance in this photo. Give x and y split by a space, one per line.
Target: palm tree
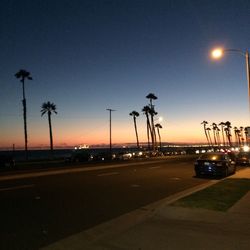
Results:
23 75
218 135
209 136
152 97
214 127
205 131
49 107
228 132
237 136
241 136
158 126
135 114
146 110
222 124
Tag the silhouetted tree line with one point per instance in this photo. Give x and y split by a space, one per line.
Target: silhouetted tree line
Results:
150 113
222 134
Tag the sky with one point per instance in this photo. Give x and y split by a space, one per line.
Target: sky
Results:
88 56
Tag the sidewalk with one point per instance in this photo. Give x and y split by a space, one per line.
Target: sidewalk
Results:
160 226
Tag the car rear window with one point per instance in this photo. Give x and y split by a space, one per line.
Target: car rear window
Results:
212 157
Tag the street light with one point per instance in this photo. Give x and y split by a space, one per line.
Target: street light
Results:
219 52
110 135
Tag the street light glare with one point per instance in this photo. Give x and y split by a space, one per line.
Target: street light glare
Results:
217 53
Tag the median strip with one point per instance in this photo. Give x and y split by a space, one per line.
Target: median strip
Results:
220 196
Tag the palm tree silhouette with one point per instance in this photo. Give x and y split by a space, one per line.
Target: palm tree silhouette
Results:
158 126
135 114
146 110
49 107
209 136
241 136
222 124
152 97
23 75
205 131
218 135
214 127
237 138
228 132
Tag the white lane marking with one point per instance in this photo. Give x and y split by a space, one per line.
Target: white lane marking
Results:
135 185
175 178
154 167
107 174
67 171
16 187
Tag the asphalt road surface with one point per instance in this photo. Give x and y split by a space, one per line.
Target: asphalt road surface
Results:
38 209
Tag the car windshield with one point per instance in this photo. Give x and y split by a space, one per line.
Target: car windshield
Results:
212 157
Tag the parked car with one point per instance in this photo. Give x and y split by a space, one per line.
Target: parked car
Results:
215 164
80 155
103 156
124 156
243 158
7 161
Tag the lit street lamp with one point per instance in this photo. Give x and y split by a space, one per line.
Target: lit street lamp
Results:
219 52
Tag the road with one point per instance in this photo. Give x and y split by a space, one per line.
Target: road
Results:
40 208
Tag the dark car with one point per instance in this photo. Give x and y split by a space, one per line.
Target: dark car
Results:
7 161
243 158
215 164
80 155
103 156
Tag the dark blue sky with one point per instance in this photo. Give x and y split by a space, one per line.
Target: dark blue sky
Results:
86 56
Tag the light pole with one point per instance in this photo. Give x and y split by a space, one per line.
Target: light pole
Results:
219 52
110 132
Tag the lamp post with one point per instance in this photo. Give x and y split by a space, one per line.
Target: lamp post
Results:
110 132
219 52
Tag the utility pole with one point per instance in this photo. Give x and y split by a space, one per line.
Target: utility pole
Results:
110 132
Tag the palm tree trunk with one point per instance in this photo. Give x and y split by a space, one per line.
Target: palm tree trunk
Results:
215 142
159 137
152 132
229 140
218 138
25 120
149 131
205 130
136 133
50 134
223 137
25 128
210 139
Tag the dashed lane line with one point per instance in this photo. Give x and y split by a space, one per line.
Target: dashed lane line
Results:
16 187
108 174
